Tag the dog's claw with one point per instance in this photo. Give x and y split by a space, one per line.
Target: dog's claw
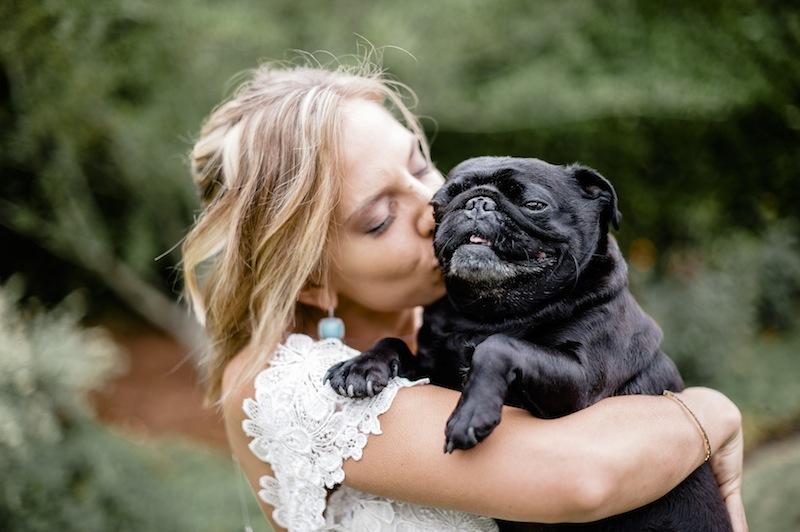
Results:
341 390
471 434
350 390
448 446
370 392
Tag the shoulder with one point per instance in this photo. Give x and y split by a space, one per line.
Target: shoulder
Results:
290 397
291 432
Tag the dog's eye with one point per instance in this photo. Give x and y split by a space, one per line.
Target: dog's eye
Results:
536 205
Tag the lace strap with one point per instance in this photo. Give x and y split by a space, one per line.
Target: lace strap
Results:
305 430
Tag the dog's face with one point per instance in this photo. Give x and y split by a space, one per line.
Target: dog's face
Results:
515 232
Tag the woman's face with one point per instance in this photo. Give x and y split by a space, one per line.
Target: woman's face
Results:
383 258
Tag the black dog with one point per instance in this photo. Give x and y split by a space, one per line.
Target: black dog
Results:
537 315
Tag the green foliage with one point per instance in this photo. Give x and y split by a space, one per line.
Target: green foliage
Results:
692 109
685 101
61 470
721 309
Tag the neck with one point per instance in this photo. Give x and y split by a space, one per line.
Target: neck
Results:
364 326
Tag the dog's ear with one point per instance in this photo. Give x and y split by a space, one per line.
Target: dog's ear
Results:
439 200
595 186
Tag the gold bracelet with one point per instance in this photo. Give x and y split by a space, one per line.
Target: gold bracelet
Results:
697 422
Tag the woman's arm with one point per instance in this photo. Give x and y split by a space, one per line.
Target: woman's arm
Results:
612 457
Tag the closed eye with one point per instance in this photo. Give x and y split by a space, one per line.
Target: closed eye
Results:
383 226
423 171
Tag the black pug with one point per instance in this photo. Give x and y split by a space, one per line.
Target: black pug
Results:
537 315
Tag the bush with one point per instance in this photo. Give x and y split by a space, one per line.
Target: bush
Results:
729 315
62 470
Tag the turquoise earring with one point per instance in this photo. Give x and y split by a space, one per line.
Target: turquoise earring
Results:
330 327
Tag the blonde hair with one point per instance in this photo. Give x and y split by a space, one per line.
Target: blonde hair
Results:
268 168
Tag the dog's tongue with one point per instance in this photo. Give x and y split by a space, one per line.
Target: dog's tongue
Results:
475 239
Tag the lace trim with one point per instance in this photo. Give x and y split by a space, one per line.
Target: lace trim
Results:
305 430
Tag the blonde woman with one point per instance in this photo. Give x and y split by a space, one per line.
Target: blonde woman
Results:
315 184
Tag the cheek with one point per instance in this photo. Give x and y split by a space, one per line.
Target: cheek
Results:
385 260
383 274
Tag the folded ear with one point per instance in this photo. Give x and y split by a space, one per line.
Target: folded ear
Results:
438 201
595 186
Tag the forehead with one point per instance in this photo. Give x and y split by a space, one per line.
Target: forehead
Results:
512 175
374 146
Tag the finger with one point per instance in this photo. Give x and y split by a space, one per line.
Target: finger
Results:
736 510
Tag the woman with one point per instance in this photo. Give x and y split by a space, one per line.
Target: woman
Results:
316 203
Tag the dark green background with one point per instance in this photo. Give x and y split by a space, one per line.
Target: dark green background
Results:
692 109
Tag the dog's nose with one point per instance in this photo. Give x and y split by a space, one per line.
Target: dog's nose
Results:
480 204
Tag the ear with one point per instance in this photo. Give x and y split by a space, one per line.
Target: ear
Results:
595 186
439 200
318 296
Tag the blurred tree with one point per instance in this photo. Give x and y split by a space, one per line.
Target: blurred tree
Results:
61 469
692 109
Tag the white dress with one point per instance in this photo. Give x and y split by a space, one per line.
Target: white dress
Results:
305 431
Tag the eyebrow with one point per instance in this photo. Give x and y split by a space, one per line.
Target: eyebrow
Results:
373 199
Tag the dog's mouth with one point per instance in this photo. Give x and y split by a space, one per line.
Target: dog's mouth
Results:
477 239
540 255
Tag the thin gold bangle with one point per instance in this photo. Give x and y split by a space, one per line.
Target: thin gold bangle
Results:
697 422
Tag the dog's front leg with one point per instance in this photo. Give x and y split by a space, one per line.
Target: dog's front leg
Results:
497 362
369 372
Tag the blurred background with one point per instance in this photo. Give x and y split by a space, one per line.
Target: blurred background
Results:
692 109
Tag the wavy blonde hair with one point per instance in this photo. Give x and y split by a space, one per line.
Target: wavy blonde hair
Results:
268 168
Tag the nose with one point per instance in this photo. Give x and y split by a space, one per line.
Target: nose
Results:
422 193
425 222
477 206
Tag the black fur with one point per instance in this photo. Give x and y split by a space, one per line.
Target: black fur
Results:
537 315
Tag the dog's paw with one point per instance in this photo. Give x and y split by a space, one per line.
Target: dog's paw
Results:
470 423
362 376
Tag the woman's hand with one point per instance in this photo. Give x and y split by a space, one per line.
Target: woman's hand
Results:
726 461
727 467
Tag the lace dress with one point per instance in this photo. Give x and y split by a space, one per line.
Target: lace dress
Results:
305 431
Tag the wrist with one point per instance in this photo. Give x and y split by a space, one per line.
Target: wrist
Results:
718 415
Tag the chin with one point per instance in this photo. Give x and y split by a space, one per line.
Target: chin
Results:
481 264
431 294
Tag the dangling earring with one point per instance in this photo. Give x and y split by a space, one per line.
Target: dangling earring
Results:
330 327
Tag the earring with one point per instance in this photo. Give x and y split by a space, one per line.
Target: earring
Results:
330 327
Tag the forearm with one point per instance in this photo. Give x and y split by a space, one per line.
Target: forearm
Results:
640 447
